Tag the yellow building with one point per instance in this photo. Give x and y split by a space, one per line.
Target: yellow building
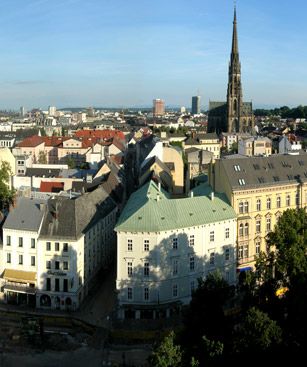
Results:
260 189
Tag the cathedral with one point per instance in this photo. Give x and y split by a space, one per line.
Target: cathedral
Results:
233 115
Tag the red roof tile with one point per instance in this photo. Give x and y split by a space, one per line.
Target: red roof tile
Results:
31 141
102 134
51 186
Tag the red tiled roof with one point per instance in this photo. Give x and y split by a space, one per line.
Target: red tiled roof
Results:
31 141
51 186
102 134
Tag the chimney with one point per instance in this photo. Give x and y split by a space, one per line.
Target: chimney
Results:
212 195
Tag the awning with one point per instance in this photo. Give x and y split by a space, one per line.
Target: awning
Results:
19 276
245 269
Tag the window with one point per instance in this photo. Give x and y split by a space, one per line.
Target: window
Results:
129 245
146 245
241 229
32 242
48 284
257 247
57 246
258 205
48 264
227 254
241 207
20 242
191 240
246 229
48 246
261 179
227 233
288 200
65 265
258 225
146 269
57 265
241 181
32 260
245 251
146 294
175 267
297 198
237 168
240 252
129 269
175 290
211 236
129 293
65 247
175 243
65 285
57 285
192 263
211 258
268 224
8 240
8 258
20 259
278 202
268 203
246 207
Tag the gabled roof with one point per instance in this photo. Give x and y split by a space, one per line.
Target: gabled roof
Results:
31 141
152 210
101 134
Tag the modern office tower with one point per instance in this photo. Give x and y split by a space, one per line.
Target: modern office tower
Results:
195 105
158 107
22 111
52 111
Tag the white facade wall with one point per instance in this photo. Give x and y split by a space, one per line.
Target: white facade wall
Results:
163 277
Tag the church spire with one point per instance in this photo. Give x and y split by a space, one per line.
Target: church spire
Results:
235 48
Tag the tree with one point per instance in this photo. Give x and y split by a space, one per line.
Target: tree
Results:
71 162
234 148
257 333
166 354
6 194
42 157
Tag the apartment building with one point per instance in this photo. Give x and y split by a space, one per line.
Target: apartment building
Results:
260 189
164 245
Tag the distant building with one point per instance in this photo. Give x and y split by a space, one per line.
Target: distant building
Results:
158 107
52 111
208 142
164 245
90 112
289 144
22 111
195 105
255 146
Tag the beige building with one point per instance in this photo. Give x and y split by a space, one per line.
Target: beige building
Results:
255 146
209 142
7 156
260 189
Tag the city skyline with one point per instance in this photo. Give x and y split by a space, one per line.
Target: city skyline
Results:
72 53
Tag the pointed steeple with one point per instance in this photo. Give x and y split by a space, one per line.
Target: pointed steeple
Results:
234 48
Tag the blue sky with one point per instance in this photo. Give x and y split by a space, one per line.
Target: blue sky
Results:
127 52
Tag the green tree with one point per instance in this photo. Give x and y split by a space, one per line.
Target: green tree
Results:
6 194
71 162
42 157
234 148
167 353
257 333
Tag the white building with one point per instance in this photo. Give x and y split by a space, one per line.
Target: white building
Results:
164 245
52 111
287 145
52 250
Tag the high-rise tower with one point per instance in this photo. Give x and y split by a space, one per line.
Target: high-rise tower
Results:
234 115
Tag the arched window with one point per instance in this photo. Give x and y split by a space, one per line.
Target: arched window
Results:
246 229
288 200
278 201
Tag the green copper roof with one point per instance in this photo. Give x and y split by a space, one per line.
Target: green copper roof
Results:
151 210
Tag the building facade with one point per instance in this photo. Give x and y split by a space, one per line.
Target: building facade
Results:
195 110
158 107
260 189
164 245
255 146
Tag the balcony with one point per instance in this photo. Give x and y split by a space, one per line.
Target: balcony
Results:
246 260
